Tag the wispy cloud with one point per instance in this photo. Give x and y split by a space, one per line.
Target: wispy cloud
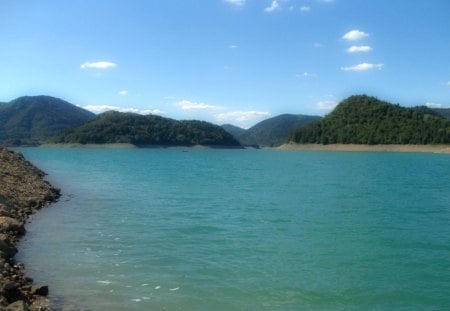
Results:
123 93
98 65
188 105
306 75
363 67
359 49
237 3
326 105
233 46
434 105
318 45
305 8
103 108
325 1
448 83
221 114
272 7
355 35
242 118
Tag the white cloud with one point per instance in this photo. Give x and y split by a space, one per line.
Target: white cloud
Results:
433 105
325 1
98 65
363 67
272 7
305 8
448 83
242 118
233 46
306 75
355 35
237 3
318 45
123 93
359 49
188 105
326 105
103 108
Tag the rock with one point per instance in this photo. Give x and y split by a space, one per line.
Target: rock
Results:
10 224
40 290
7 249
22 191
4 211
10 286
19 305
28 279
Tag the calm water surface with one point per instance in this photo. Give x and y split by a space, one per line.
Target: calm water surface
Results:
201 229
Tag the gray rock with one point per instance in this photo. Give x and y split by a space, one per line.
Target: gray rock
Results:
17 306
7 249
10 224
39 290
10 286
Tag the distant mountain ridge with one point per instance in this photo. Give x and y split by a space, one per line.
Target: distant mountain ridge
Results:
359 119
270 132
31 120
363 119
445 112
149 130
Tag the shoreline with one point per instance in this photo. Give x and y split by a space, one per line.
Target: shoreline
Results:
23 192
445 149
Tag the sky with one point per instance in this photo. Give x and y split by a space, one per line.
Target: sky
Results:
225 61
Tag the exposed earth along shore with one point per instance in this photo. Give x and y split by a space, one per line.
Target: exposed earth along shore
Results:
380 148
23 191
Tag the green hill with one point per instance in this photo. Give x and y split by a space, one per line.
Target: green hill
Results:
445 112
270 132
31 120
118 127
363 119
236 131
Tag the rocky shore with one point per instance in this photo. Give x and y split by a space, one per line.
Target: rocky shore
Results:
23 191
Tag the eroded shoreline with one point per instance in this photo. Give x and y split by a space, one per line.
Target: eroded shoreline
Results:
23 191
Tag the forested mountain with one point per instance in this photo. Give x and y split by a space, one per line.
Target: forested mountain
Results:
445 112
363 119
236 131
270 132
31 120
118 127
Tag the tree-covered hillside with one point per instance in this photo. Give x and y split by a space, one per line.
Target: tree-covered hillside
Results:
445 112
31 120
236 131
366 120
117 127
270 132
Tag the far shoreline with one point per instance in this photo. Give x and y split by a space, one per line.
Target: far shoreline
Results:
128 146
367 148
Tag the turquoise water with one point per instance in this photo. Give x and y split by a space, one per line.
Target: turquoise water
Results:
202 229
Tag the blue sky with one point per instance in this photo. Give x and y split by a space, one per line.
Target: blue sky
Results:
225 61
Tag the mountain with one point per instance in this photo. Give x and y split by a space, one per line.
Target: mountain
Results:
362 119
31 120
236 131
445 112
270 132
118 127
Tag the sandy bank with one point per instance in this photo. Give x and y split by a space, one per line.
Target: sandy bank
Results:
113 146
372 148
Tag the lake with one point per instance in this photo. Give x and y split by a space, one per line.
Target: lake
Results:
209 229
